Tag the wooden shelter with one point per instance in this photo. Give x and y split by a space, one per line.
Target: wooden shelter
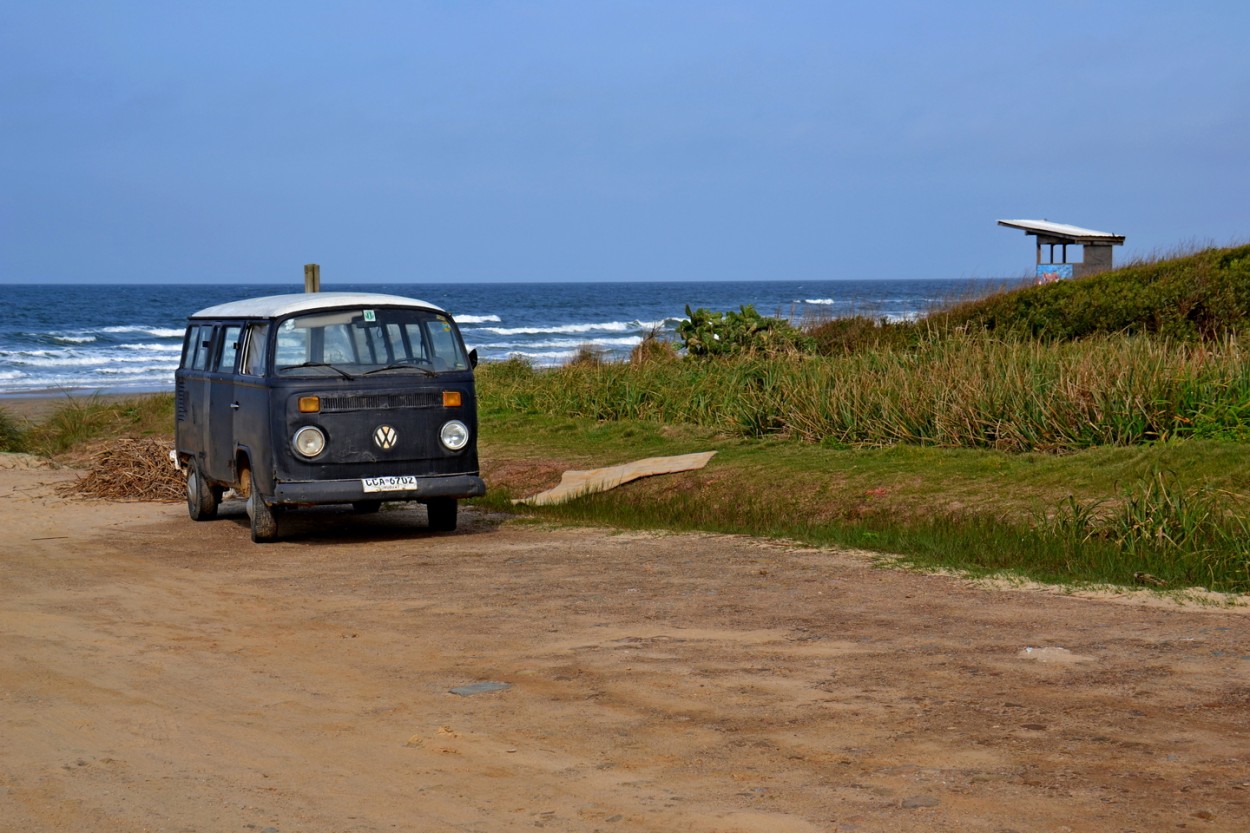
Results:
1095 245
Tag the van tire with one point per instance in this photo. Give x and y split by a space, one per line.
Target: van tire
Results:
264 517
442 512
202 499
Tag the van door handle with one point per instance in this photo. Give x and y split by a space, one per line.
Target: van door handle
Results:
234 406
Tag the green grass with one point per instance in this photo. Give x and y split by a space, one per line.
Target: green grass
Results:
975 510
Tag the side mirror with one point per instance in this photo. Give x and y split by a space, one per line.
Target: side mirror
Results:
473 357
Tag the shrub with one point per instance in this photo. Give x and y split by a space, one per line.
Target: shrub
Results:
705 333
652 349
588 354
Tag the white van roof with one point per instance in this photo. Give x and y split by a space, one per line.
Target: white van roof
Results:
275 306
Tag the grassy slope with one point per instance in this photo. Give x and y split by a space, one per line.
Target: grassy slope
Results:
1205 295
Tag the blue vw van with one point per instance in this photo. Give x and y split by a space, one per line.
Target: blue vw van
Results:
321 398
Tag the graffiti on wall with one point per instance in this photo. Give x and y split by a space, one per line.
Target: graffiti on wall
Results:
1048 272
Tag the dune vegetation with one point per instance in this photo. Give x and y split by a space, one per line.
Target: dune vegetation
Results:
1075 379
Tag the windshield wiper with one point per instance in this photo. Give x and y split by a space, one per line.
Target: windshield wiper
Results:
340 371
403 364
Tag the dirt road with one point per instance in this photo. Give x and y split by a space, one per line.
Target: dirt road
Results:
162 675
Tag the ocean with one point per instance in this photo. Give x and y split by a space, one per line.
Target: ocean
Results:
127 338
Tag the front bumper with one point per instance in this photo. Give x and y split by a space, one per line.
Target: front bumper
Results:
346 491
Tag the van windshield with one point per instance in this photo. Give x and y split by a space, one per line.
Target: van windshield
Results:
358 341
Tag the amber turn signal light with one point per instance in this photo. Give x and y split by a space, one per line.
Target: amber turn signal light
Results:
309 404
451 399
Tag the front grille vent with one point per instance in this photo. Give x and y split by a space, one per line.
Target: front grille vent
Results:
381 402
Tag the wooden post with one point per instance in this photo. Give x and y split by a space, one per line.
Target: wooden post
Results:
312 277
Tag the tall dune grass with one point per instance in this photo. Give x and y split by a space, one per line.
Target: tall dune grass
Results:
957 390
12 437
83 419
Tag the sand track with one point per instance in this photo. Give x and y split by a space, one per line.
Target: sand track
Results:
162 675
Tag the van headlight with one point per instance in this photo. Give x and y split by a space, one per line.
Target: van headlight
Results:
309 441
455 435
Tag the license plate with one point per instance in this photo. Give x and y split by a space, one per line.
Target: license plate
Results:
403 483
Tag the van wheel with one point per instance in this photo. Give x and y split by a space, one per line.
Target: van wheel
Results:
442 511
202 499
264 517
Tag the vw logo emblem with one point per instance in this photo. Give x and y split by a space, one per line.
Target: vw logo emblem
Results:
385 437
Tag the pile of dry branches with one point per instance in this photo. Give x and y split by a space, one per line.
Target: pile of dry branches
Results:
130 469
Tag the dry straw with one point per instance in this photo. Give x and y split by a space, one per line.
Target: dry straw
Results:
129 469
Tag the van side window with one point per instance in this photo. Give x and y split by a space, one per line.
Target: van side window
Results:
369 345
400 348
413 342
202 340
447 354
337 346
292 346
229 348
188 347
254 352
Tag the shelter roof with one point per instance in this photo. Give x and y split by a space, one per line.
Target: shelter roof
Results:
1063 233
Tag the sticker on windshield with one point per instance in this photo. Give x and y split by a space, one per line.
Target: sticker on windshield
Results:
370 316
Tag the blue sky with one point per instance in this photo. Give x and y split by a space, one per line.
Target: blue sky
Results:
180 142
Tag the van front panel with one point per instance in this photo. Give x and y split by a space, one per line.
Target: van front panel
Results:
385 431
329 403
